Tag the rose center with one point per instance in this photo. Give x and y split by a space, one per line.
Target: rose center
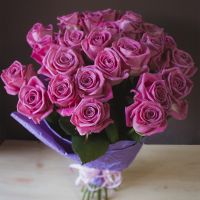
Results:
90 112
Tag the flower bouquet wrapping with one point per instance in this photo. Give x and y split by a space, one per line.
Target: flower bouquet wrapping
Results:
106 80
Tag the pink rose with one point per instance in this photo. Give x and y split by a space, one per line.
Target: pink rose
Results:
169 42
60 60
71 38
40 39
62 92
112 27
132 16
129 28
91 83
179 87
130 25
184 61
95 42
109 63
178 84
33 100
38 54
152 28
91 116
152 87
179 109
146 117
135 55
39 35
155 42
15 75
93 19
70 21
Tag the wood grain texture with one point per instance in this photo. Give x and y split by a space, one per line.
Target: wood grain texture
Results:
31 171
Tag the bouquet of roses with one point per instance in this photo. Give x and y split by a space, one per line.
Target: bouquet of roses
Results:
106 80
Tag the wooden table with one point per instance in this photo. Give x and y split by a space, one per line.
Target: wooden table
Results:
31 171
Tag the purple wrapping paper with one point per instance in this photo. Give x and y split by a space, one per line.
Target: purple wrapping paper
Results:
118 157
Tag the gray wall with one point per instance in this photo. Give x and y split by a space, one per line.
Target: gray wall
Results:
180 18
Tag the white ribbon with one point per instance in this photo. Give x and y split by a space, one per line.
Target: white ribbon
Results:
87 176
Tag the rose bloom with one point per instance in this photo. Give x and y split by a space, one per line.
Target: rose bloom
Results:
69 21
91 83
40 39
95 42
109 63
15 75
93 19
33 100
169 42
132 16
184 61
91 116
129 28
152 87
179 109
60 60
62 92
134 54
155 42
178 84
112 27
146 117
152 28
130 25
71 38
179 87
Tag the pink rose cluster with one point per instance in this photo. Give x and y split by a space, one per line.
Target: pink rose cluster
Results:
91 53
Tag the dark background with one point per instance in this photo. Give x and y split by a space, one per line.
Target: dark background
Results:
180 18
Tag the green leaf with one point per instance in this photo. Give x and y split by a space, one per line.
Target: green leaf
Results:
67 126
90 148
112 133
53 117
133 135
53 121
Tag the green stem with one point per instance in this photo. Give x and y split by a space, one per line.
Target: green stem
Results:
99 194
106 193
88 196
84 194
